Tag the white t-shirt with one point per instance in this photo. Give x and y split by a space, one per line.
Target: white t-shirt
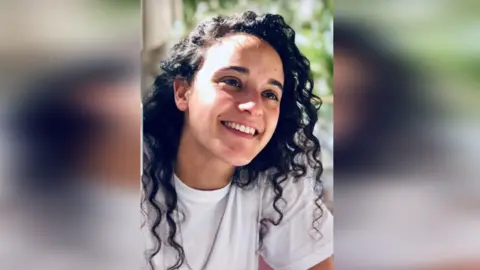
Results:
220 228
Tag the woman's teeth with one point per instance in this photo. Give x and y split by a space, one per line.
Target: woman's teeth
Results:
241 128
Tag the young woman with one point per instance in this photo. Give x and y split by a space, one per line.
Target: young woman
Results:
231 165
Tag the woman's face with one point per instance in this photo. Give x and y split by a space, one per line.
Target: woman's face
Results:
233 104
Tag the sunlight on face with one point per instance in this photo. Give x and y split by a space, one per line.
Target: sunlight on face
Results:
235 99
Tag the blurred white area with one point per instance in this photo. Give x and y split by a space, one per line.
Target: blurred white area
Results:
406 223
105 237
416 203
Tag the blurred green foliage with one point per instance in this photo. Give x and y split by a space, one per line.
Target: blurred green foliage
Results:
127 4
118 15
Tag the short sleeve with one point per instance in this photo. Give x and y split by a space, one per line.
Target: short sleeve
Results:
304 237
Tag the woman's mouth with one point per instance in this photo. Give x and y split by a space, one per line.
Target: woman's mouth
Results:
240 128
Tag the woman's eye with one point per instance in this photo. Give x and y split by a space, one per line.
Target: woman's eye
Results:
232 82
270 95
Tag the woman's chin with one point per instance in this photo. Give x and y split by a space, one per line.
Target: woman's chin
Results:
241 163
237 160
236 157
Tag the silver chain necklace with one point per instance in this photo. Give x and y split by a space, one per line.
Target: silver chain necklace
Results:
211 248
213 242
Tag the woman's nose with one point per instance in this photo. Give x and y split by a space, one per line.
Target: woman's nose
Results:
253 107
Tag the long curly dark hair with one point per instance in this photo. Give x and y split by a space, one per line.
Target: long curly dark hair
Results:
292 149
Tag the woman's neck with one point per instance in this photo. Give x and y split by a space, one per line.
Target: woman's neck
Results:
198 169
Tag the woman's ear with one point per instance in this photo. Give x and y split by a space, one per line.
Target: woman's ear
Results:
181 91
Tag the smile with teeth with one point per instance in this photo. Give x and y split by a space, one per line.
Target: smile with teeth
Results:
241 128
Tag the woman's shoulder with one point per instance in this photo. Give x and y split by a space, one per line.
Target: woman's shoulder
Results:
289 181
288 189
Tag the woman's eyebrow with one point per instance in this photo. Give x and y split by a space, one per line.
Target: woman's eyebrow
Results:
245 70
276 83
236 68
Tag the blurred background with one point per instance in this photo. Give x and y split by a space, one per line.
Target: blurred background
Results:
406 126
406 134
70 134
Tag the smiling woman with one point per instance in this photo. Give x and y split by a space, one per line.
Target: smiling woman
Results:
231 165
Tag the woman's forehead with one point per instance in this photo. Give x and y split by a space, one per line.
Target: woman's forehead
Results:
242 49
241 39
